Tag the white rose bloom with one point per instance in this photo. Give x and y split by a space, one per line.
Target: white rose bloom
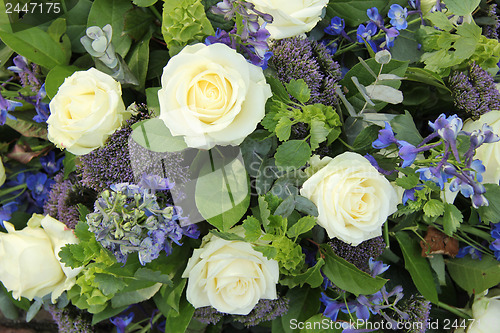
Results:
353 198
230 276
86 110
212 96
488 153
29 259
2 173
485 311
291 17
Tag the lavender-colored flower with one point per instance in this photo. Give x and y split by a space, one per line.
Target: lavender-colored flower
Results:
57 204
27 75
71 320
5 107
469 250
336 26
491 30
407 152
418 309
264 310
495 245
359 255
377 267
398 16
207 315
297 58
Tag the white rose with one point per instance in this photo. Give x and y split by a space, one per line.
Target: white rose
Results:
86 110
2 173
353 198
212 96
291 17
485 311
230 276
29 259
488 153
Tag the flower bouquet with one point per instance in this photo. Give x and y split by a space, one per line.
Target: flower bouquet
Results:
251 165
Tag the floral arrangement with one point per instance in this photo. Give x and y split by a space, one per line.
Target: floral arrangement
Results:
251 165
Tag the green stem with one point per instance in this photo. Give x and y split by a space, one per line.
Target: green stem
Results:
346 144
155 12
454 310
476 232
346 49
12 189
386 234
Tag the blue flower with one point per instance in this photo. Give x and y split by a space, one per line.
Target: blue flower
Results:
7 210
332 307
407 152
374 15
155 183
121 322
385 137
336 26
49 163
377 267
435 175
390 36
39 185
6 106
398 16
474 253
365 34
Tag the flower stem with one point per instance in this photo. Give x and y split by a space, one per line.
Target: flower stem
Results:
459 312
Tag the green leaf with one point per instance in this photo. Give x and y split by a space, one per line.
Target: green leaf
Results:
144 3
108 312
434 208
155 136
312 277
229 236
299 90
451 219
491 213
36 45
109 284
27 127
135 296
252 229
286 207
319 132
465 46
302 226
33 310
304 303
268 251
305 206
472 275
348 277
138 23
76 20
405 129
7 306
69 163
462 8
179 324
56 77
352 11
278 89
152 100
151 275
222 192
283 128
320 324
138 59
417 266
112 12
440 20
363 142
293 153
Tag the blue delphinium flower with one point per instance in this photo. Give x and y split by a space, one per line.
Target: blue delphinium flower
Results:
121 322
50 164
336 26
474 253
385 137
39 184
374 15
5 107
398 16
495 245
365 33
7 210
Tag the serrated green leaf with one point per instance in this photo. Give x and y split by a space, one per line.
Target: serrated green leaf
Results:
264 211
302 226
311 276
440 20
474 276
293 153
434 208
408 181
348 277
452 218
417 266
283 128
229 236
299 90
252 229
109 284
67 258
462 8
268 251
319 132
